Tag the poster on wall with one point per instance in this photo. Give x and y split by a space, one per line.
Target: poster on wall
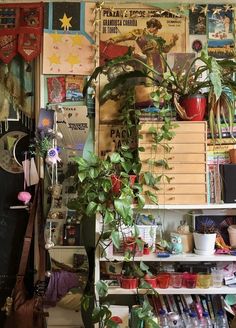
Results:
147 31
220 32
68 38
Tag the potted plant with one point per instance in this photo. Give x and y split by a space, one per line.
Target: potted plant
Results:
218 87
205 238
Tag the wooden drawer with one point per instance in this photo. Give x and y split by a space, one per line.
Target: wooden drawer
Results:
185 178
177 189
190 138
181 199
185 148
191 127
176 168
177 158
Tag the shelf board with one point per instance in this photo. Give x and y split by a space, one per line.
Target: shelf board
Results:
174 291
67 247
188 257
191 207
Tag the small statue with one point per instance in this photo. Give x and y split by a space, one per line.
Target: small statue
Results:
176 246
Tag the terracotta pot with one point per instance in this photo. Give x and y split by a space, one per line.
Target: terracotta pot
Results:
128 283
195 106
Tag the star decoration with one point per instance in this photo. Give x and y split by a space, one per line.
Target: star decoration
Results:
216 11
77 40
65 22
193 7
181 8
73 60
54 59
204 10
56 37
228 7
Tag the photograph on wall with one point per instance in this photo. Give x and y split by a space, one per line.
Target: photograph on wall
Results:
69 38
197 22
220 32
56 89
74 87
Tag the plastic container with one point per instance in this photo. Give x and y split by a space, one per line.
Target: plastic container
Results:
194 322
128 283
232 235
203 280
190 280
176 279
217 277
163 280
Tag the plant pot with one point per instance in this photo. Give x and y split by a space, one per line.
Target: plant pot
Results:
204 241
152 281
195 107
116 184
128 283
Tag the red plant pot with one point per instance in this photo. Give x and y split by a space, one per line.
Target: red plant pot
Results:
151 281
195 107
146 251
132 179
163 280
116 184
128 283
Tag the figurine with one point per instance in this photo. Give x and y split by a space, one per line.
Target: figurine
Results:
176 246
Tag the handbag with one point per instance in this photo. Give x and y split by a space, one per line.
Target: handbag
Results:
21 310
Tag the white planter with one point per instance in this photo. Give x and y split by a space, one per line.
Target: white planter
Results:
204 242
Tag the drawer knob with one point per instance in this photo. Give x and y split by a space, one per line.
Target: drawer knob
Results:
172 198
172 188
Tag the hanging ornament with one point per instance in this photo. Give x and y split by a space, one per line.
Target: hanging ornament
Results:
216 11
228 7
52 156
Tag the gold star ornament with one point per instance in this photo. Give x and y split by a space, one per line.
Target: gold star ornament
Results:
65 22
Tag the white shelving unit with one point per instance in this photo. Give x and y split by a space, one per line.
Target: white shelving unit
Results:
174 291
176 211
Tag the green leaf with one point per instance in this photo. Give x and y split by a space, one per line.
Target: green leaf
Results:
143 266
101 288
115 158
109 217
112 324
136 230
115 237
91 209
123 208
82 176
85 301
